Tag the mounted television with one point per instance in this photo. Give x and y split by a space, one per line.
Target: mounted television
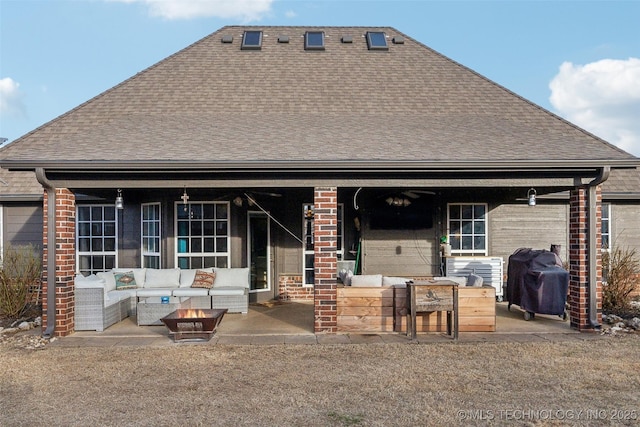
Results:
387 216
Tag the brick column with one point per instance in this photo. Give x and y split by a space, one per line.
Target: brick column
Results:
325 201
65 261
579 258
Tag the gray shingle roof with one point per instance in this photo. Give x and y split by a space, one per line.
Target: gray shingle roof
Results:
622 182
213 101
19 184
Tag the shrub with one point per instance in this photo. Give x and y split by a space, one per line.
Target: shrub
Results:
620 268
20 280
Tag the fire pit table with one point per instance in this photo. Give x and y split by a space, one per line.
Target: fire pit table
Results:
193 323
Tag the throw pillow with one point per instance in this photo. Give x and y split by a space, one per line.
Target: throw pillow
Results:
125 280
203 279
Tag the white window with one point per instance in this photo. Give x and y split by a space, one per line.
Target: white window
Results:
308 271
202 235
150 235
606 226
467 228
96 238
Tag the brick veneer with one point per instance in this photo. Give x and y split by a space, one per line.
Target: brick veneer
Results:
325 202
65 262
579 258
291 288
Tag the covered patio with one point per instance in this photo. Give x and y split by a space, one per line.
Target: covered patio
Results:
292 323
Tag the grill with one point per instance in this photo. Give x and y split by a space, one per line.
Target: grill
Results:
193 323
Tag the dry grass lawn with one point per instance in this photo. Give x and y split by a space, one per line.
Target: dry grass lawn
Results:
325 385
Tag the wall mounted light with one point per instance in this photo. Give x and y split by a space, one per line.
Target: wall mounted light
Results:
238 201
531 197
119 200
185 199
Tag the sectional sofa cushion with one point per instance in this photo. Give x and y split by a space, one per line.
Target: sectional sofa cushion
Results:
109 280
190 292
153 292
91 281
366 280
233 277
227 291
162 278
394 281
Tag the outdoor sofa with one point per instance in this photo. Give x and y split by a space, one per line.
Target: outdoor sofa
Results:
109 297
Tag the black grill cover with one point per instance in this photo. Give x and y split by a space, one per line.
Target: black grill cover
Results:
537 282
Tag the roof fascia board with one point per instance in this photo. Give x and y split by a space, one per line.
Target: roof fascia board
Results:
381 165
558 183
9 198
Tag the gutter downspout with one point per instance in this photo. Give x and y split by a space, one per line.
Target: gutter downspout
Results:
593 249
51 251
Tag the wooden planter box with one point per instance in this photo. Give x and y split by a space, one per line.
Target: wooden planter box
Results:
383 309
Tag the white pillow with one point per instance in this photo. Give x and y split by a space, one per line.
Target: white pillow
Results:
162 278
109 280
366 280
231 277
187 275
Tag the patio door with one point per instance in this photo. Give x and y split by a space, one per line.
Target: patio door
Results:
259 251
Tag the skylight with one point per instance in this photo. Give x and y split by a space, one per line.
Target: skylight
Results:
314 40
252 40
377 40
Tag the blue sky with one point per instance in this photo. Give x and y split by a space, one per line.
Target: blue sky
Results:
579 59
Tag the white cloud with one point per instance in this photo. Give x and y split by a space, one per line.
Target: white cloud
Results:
244 10
11 98
290 14
602 97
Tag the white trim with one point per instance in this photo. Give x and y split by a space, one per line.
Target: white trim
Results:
102 253
158 220
609 223
188 254
469 252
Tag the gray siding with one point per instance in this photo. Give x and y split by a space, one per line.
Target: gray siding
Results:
22 225
522 226
625 225
400 253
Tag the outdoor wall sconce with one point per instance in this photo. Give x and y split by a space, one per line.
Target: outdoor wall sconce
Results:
119 200
531 196
397 201
185 199
238 201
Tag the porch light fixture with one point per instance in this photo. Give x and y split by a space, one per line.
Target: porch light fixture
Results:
185 199
238 201
397 201
531 196
119 200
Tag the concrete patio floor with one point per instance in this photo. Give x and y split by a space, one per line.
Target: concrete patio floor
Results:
292 323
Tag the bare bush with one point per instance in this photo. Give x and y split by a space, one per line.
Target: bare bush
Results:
620 268
20 280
